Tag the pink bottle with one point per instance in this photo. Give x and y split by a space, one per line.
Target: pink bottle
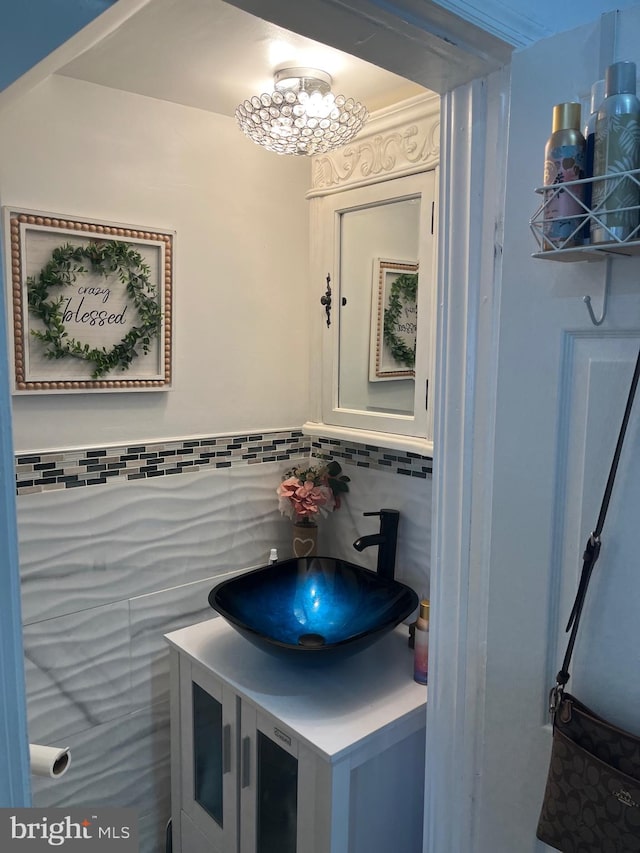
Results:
421 647
564 159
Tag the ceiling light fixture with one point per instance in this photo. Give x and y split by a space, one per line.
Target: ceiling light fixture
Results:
302 115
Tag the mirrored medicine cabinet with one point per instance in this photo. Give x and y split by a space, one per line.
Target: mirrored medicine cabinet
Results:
374 236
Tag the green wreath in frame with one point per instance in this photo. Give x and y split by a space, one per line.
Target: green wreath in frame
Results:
404 289
62 270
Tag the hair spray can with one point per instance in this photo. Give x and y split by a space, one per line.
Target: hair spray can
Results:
597 96
617 149
564 156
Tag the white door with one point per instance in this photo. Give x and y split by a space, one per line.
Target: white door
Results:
536 393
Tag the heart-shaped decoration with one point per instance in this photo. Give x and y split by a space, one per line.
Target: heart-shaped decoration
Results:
303 547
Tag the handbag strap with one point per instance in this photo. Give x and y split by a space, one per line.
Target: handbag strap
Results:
592 551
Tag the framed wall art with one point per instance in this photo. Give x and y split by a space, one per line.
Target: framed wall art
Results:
394 316
91 304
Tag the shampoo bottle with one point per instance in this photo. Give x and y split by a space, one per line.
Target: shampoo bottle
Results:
617 149
564 157
421 647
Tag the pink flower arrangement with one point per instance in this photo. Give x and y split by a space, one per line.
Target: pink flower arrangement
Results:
307 493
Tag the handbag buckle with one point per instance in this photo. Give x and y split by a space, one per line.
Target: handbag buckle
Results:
555 698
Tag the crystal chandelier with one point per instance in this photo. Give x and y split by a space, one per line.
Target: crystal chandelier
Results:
302 115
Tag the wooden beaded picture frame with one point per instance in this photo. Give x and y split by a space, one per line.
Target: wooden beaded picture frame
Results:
90 304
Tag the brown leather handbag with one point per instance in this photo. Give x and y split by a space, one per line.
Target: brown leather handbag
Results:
592 796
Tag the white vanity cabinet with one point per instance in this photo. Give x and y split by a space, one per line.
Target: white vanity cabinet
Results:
277 756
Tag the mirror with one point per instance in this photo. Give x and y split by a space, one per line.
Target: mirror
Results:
379 247
381 254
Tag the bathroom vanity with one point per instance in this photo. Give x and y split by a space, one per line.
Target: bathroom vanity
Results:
273 755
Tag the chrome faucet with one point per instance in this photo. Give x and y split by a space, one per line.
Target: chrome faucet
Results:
386 541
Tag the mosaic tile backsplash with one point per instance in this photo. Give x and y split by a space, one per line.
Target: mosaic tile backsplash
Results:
68 469
370 456
106 571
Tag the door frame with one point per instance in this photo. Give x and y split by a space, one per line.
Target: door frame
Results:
474 122
15 790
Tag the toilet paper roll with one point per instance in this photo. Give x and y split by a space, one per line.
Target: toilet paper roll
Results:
49 761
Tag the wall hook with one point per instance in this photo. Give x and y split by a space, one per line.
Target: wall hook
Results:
605 294
326 300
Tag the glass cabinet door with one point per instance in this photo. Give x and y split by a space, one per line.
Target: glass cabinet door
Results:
272 787
276 797
209 776
208 748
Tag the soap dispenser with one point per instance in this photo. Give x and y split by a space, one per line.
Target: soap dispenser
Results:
421 644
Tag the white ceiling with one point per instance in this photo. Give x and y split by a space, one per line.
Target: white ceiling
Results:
209 55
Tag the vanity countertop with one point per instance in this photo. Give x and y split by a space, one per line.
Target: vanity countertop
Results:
333 706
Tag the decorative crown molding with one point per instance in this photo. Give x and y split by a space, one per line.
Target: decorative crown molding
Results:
397 141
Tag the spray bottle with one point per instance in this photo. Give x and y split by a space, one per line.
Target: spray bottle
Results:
564 158
617 149
421 644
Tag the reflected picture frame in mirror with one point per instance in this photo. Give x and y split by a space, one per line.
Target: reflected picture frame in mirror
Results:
394 320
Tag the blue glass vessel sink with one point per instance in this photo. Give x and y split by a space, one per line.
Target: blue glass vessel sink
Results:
313 606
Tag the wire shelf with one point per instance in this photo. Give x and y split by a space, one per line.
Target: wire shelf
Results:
571 246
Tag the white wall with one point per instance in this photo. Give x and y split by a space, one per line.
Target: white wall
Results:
240 309
106 571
